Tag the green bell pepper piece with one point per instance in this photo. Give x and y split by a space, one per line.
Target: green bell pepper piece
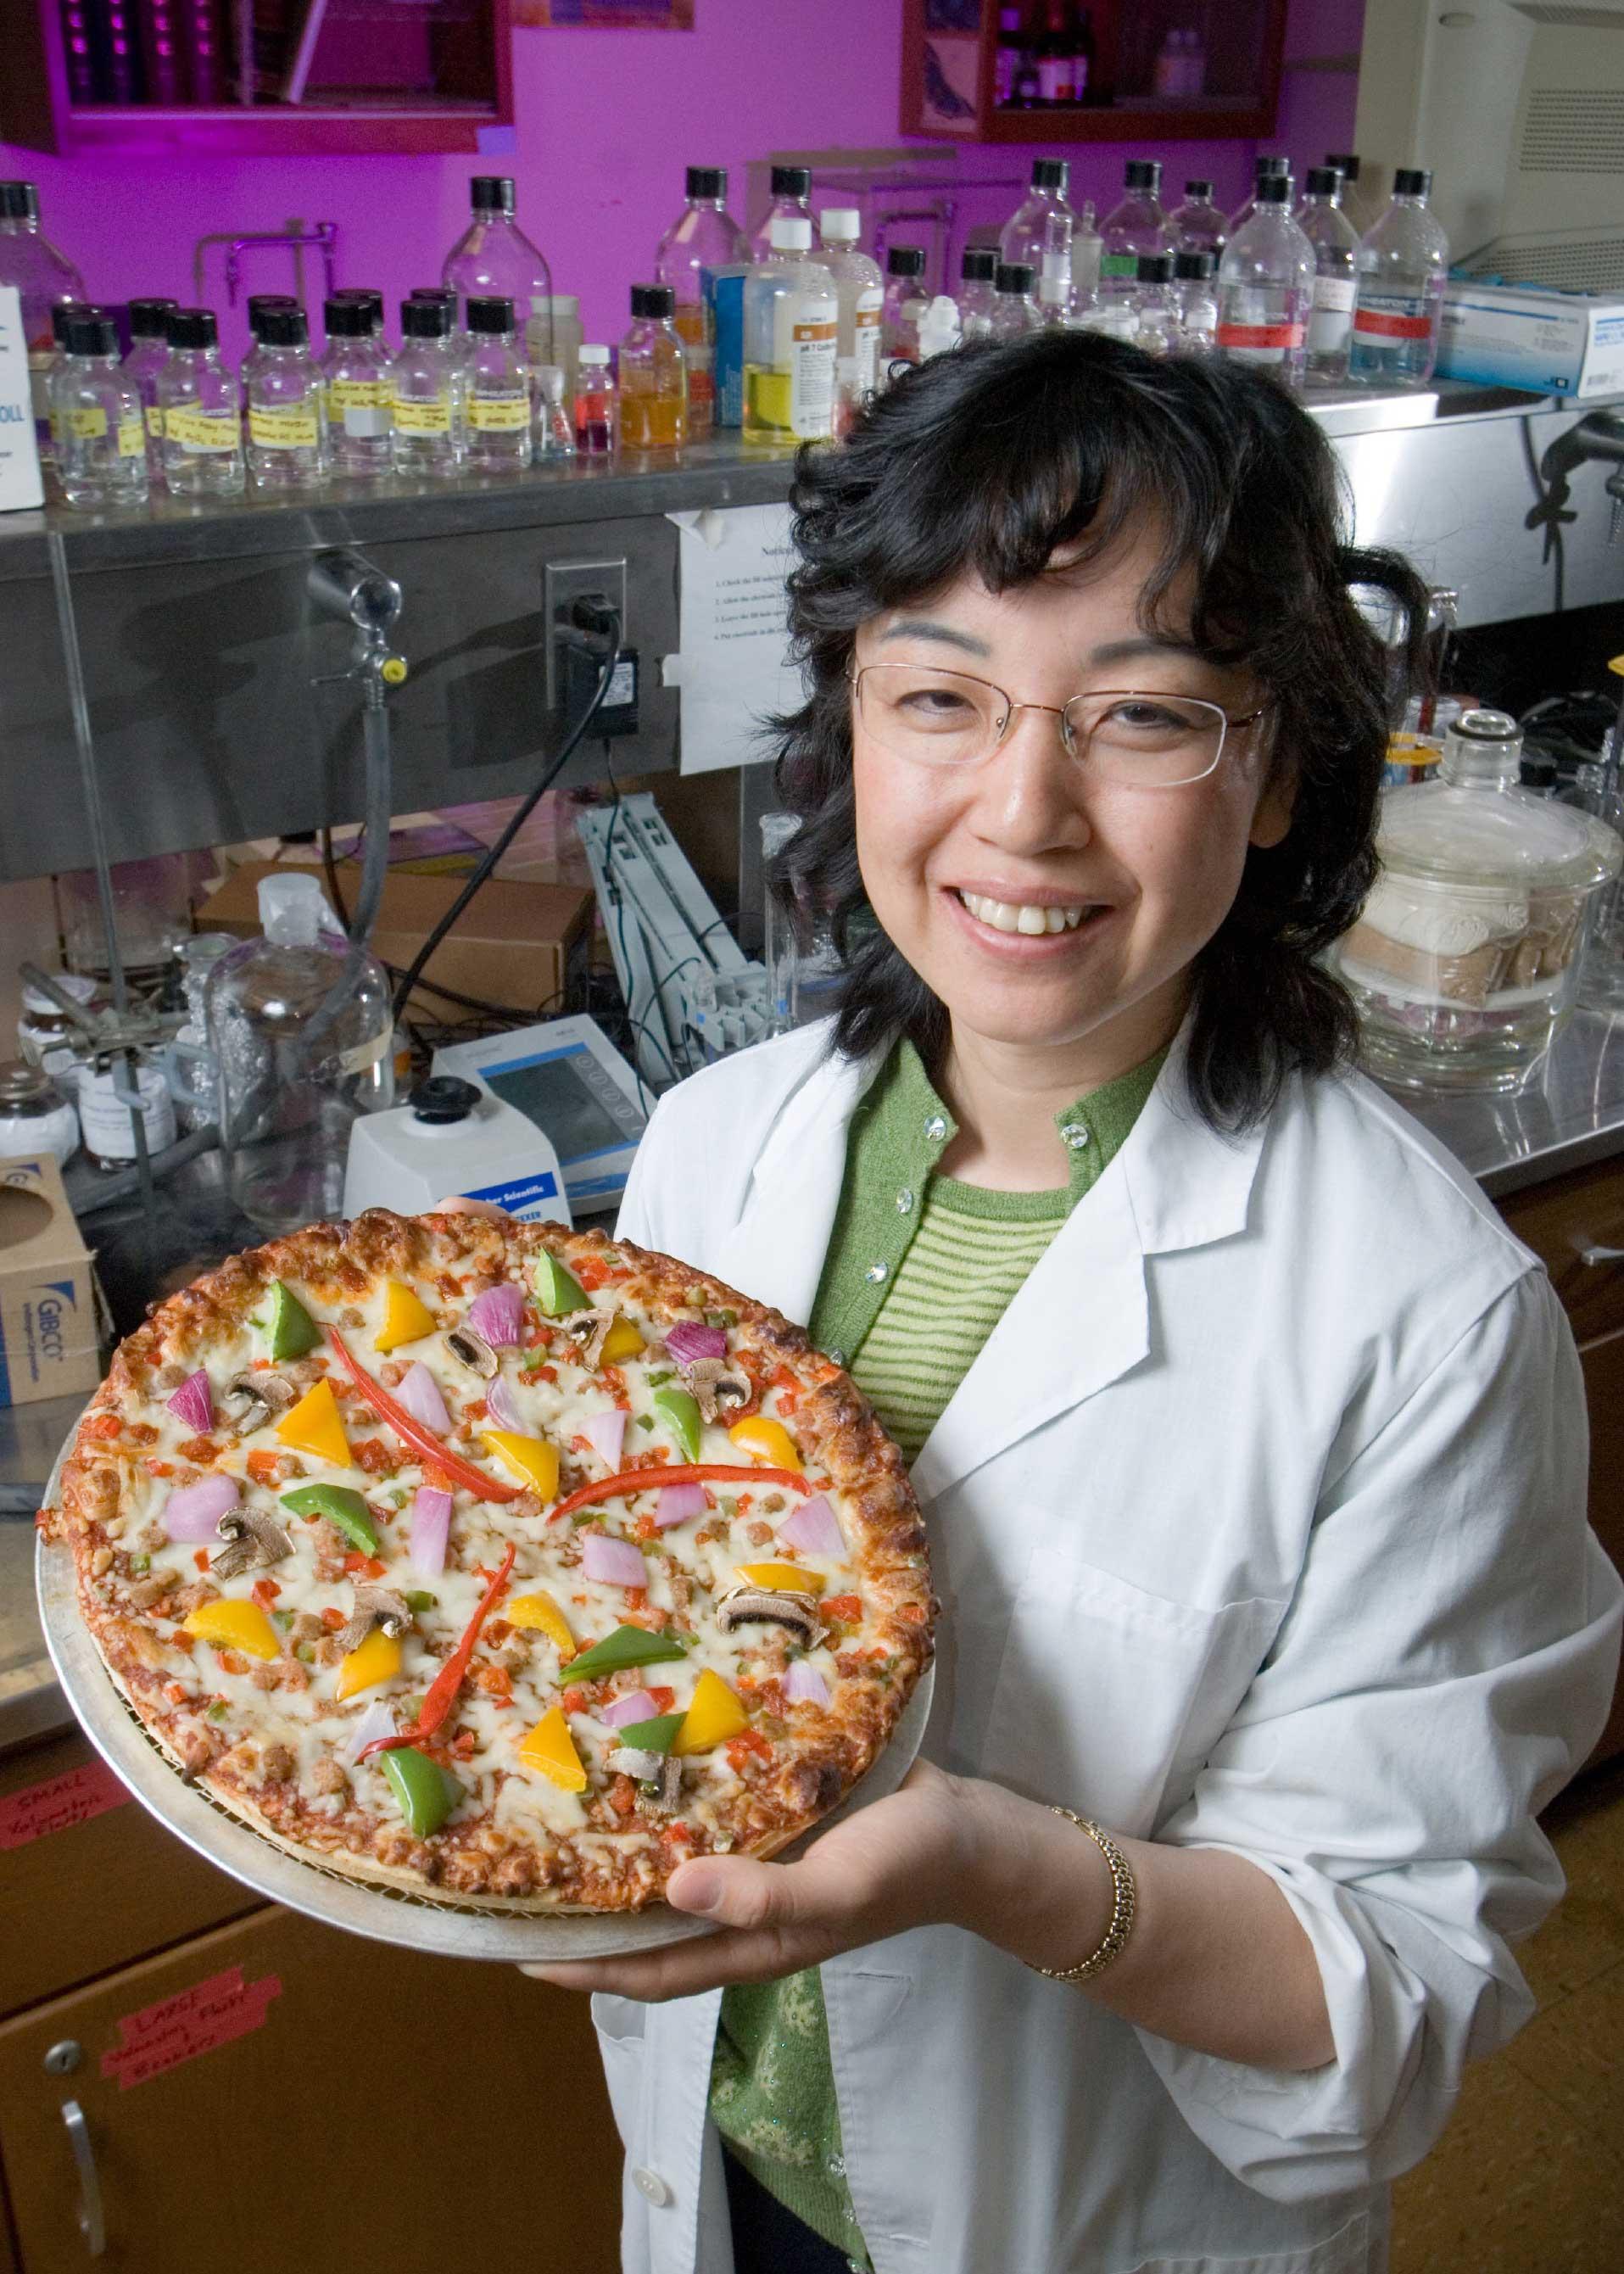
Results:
290 1330
341 1506
425 1793
679 1409
656 1737
418 1600
626 1647
558 1291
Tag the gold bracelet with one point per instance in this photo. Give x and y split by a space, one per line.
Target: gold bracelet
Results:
1124 1901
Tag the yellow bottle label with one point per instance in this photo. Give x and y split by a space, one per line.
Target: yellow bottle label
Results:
201 430
419 417
506 415
131 438
87 424
357 394
154 422
282 426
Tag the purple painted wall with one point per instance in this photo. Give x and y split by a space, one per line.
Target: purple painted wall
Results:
607 121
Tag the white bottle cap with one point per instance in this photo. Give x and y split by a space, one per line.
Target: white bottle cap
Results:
840 224
291 909
791 233
593 353
939 326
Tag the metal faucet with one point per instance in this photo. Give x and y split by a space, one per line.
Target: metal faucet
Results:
345 585
1600 436
322 234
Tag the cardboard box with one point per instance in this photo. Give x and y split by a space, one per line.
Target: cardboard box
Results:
1568 344
50 1332
515 944
19 458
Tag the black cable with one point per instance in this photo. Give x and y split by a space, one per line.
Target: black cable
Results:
606 618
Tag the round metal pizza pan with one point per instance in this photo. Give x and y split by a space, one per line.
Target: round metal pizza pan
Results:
444 1928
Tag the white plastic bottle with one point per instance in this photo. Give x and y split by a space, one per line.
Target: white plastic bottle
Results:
300 1027
1404 266
1265 283
1136 225
1337 245
861 292
791 328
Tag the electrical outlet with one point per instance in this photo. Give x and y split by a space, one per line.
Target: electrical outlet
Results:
563 583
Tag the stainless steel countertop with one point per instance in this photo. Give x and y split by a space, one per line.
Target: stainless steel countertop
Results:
1569 1113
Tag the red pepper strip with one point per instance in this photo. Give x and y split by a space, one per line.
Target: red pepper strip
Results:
412 1433
443 1689
698 1473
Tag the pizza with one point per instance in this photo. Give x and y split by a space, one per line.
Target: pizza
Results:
492 1560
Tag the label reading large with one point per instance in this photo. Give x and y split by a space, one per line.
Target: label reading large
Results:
196 2021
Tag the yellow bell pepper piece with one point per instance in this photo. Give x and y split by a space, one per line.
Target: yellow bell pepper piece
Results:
770 1441
540 1611
551 1749
406 1318
715 1716
235 1626
795 1577
621 1341
376 1660
530 1458
312 1425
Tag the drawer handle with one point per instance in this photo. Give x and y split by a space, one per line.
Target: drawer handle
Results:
1592 1252
92 2224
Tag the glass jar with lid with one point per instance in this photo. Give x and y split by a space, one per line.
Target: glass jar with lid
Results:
34 1115
1465 959
45 1033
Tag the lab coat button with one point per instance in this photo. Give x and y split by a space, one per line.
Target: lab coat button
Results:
1075 1135
651 2184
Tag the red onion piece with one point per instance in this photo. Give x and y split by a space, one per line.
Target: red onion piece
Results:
636 1706
803 1684
419 1393
499 1315
688 1341
815 1528
503 1407
193 1405
615 1562
430 1527
677 1502
377 1721
193 1511
605 1433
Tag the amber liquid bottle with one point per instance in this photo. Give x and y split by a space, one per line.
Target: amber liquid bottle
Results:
653 374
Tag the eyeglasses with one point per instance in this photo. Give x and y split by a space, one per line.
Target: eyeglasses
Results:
948 719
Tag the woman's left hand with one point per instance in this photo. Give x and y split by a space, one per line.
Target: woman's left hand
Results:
908 1860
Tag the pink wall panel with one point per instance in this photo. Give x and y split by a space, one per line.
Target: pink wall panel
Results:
607 121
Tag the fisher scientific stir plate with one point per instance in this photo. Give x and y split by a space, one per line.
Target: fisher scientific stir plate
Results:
442 1928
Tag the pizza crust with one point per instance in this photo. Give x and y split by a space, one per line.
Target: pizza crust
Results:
480 1857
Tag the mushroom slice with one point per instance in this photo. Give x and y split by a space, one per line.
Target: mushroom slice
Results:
717 1391
249 1400
589 1331
668 1797
252 1539
633 1761
796 1611
472 1350
374 1607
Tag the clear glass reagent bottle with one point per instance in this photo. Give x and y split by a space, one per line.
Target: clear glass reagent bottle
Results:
791 190
653 374
552 433
286 407
96 412
704 236
976 271
355 371
1404 265
1198 226
595 404
43 278
904 303
1266 283
149 351
1136 225
1264 169
427 383
1158 318
1014 311
494 259
1021 237
1336 246
202 410
1195 287
498 387
861 290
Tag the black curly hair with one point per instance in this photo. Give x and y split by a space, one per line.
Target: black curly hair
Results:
988 458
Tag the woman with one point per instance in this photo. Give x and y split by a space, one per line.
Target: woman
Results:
1250 1445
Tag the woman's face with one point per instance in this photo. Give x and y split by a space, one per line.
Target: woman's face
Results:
1154 870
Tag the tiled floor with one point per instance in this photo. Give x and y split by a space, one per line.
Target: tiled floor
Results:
1530 2177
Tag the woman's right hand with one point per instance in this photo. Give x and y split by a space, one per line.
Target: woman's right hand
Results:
455 1205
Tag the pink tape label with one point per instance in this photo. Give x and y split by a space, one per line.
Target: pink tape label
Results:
193 2021
59 1803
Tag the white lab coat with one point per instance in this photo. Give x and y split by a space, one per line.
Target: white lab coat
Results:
1258 1523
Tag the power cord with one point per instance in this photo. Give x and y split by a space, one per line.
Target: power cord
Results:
589 617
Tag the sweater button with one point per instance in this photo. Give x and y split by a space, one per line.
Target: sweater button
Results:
836 1357
875 1274
651 2184
936 1128
905 1201
1076 1136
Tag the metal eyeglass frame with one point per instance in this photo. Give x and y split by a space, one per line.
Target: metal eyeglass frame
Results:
854 673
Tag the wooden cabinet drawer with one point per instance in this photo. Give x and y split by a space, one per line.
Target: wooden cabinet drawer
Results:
90 1881
1560 1220
277 2095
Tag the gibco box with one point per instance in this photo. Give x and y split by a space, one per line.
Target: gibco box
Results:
1567 344
19 460
48 1306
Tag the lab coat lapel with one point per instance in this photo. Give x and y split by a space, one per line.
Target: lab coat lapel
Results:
775 1252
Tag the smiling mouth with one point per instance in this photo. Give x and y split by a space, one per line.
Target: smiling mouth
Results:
1023 916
